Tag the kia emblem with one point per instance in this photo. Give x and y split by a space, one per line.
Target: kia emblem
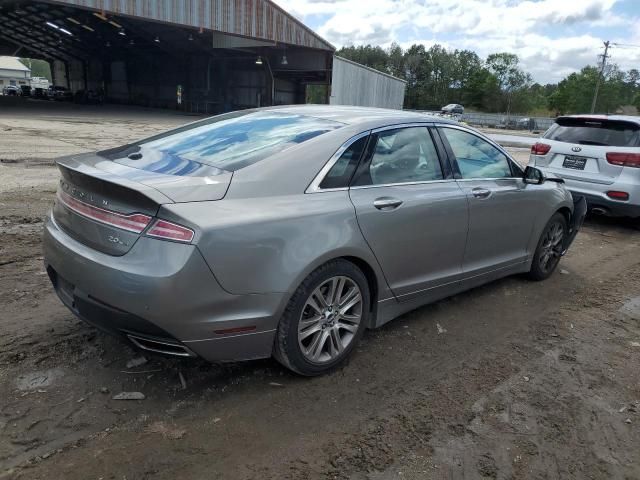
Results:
576 149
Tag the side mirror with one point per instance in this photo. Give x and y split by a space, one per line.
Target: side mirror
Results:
534 176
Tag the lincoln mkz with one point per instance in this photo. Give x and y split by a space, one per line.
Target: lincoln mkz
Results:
288 231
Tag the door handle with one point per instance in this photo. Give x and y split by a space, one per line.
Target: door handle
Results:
387 203
481 192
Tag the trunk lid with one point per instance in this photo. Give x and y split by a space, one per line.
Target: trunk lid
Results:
107 203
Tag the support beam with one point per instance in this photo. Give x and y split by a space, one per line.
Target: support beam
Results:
30 28
37 51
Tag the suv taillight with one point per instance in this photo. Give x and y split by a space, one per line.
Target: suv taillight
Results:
170 231
540 148
624 159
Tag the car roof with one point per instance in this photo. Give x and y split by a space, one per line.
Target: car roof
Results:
369 116
624 118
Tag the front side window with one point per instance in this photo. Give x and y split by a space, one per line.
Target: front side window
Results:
404 155
476 158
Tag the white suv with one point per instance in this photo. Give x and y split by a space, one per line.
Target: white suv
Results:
598 156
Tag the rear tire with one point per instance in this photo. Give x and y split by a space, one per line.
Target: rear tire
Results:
324 319
549 249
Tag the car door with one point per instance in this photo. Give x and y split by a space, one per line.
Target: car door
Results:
410 210
502 208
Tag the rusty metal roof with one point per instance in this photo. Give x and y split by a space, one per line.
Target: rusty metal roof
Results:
260 19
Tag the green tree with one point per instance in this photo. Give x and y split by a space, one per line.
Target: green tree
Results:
437 76
575 93
511 78
39 68
395 62
374 57
483 91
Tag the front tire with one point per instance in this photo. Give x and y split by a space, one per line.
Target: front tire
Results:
549 249
324 319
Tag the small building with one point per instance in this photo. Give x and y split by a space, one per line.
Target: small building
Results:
13 72
355 84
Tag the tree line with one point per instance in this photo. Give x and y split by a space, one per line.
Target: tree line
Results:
437 76
39 68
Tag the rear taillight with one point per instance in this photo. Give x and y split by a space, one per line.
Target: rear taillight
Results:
618 195
134 222
540 148
624 159
170 231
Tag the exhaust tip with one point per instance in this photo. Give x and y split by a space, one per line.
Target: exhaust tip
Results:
599 211
164 347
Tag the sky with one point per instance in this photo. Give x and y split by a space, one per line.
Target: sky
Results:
552 38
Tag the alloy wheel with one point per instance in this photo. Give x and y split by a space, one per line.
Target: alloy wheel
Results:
551 249
330 319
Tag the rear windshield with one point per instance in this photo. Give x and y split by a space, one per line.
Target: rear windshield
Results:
233 141
610 133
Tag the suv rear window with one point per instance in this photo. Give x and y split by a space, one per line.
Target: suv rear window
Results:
233 141
588 131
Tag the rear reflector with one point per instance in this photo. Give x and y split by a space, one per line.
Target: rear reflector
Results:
134 222
618 195
540 148
624 159
170 231
228 331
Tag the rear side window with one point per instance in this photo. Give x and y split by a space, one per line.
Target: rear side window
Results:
231 142
585 131
343 169
402 155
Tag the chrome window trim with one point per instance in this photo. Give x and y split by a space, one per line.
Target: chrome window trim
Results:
401 184
446 180
402 125
473 132
481 179
314 186
481 136
398 184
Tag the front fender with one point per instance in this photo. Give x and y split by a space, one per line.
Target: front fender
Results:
577 219
550 198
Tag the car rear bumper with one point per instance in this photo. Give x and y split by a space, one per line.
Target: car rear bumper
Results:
160 296
596 194
615 208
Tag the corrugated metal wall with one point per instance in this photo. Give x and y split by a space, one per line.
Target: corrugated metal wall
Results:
13 74
355 84
251 18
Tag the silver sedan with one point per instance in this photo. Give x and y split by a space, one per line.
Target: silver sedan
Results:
289 231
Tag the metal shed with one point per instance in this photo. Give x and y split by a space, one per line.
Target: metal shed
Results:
355 84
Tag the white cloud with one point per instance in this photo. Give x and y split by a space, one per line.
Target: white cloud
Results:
485 26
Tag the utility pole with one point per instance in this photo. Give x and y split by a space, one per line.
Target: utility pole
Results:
604 64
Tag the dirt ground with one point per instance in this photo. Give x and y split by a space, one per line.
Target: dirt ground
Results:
512 380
